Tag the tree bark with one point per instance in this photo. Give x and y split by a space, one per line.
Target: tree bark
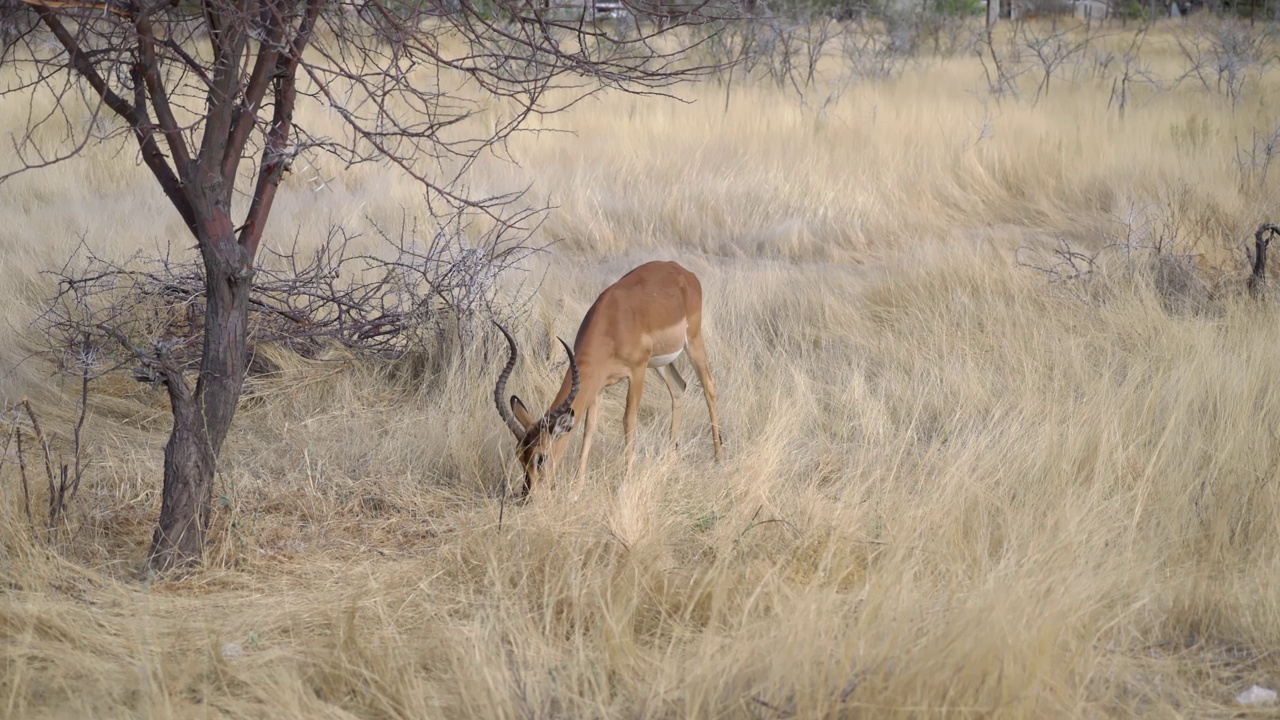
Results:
201 421
188 493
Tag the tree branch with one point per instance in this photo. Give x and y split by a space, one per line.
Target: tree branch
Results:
229 37
142 129
275 156
157 368
159 96
246 114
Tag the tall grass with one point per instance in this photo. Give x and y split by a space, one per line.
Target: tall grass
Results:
952 486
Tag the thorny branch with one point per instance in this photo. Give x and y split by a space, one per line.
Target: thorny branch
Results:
63 485
1225 55
1062 264
424 291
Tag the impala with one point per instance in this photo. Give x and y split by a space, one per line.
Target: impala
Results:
644 320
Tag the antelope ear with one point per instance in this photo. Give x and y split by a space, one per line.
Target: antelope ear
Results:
522 413
564 424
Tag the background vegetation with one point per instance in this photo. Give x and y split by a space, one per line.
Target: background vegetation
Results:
1000 419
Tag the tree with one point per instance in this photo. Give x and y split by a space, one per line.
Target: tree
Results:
209 92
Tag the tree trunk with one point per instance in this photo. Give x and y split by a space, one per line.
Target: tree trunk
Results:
201 421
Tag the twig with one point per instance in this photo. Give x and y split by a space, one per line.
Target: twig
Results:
502 501
84 412
4 455
48 458
788 523
26 495
22 470
752 523
1066 265
782 711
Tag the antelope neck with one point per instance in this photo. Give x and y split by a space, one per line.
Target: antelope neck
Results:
589 386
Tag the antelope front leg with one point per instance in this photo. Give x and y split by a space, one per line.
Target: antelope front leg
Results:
635 388
588 432
675 386
698 356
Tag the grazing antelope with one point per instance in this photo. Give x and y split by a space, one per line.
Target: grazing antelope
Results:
644 320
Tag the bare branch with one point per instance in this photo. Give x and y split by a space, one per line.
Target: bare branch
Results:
44 447
429 287
22 471
149 68
15 431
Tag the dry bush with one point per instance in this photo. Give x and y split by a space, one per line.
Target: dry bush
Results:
874 52
422 291
1223 55
1160 245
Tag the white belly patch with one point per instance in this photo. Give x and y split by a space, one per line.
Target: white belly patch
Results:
664 360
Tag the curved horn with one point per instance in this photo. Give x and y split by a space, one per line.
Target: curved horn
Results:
500 389
573 389
1261 240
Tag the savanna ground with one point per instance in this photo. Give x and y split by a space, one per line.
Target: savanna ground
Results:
955 485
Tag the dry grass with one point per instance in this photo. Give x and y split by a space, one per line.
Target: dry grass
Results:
951 488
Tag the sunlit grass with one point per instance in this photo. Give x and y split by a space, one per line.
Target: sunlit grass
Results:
951 487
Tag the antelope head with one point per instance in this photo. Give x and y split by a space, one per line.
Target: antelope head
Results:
536 440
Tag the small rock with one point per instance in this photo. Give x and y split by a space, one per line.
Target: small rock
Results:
1257 695
234 651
